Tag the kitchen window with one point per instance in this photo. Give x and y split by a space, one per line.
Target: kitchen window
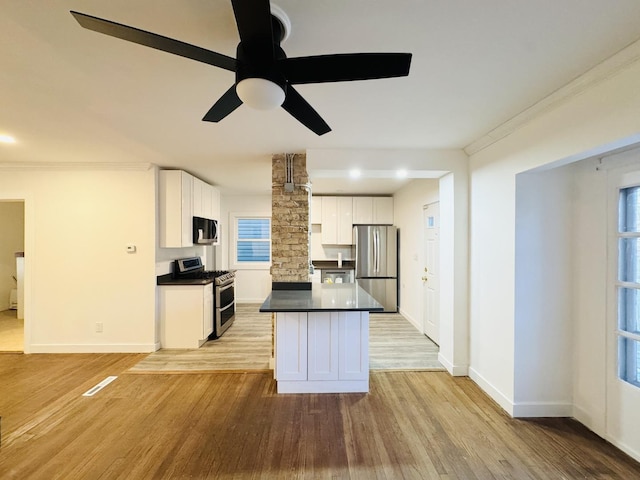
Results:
628 285
252 241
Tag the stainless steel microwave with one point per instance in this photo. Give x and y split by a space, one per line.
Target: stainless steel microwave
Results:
205 231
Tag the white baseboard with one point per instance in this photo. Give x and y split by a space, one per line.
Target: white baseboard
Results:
522 409
454 370
93 348
324 386
492 391
542 409
410 320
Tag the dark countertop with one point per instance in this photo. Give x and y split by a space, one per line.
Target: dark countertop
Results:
321 298
333 264
169 280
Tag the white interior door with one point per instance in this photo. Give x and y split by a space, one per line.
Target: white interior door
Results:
431 271
623 362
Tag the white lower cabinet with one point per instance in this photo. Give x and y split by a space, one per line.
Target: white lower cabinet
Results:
186 315
322 352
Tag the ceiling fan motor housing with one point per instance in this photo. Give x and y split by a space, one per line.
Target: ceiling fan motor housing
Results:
260 67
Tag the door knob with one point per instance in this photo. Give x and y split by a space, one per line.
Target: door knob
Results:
425 269
424 279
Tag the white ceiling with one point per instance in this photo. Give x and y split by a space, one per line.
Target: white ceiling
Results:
72 95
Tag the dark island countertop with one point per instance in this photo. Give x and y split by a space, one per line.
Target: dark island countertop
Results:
321 298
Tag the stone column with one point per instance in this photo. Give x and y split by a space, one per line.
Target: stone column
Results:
289 219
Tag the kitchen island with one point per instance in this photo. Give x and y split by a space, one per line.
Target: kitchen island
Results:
321 338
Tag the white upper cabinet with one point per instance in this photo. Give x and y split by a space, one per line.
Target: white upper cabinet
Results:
176 208
362 210
383 210
373 210
316 210
206 200
337 220
215 202
182 197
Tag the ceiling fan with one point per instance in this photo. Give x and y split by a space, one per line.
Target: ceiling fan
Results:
264 75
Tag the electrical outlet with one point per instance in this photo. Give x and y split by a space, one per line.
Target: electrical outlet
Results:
98 327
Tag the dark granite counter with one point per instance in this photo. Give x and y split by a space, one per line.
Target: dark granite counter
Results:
169 280
322 297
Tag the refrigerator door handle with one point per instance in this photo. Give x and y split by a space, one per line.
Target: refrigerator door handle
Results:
376 250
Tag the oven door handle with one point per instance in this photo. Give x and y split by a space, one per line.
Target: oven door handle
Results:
228 306
225 287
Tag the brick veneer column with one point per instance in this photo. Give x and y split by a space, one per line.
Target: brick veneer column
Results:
289 222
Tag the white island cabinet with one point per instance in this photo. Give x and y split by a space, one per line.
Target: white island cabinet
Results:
322 338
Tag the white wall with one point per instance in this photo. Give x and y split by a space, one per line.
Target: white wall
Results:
407 214
11 241
252 285
599 119
77 271
544 278
589 293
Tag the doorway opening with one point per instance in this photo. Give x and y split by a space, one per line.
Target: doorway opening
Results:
12 276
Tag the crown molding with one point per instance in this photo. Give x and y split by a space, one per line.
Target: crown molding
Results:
601 72
53 166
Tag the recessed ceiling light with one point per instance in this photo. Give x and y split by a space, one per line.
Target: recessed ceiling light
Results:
7 139
401 174
355 173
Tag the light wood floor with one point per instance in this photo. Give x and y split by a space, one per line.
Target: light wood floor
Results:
412 425
11 332
394 344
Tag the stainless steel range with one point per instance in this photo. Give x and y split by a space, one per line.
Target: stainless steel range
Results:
223 292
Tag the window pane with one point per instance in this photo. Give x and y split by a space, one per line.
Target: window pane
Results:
629 218
253 251
629 310
629 360
629 260
254 228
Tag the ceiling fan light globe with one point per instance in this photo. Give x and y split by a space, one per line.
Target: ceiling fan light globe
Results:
260 94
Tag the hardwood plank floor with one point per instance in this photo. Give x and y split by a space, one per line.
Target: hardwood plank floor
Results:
412 425
394 344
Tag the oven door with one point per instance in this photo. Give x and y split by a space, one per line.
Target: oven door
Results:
225 307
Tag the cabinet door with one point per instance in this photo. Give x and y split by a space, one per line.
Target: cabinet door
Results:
187 210
291 346
362 210
175 209
323 346
198 186
353 363
316 210
345 221
383 210
215 203
329 220
207 201
181 314
207 320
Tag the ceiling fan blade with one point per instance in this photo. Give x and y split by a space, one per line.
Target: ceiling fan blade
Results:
153 40
224 106
345 67
253 18
303 112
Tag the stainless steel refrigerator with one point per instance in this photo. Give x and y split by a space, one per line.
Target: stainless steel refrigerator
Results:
377 263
